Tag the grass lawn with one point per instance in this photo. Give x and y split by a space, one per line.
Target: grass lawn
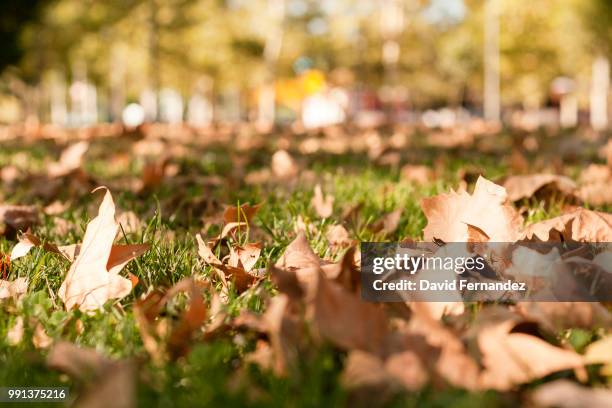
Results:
207 177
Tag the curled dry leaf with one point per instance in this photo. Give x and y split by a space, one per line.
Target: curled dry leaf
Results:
525 186
161 341
107 382
13 289
26 242
18 217
579 225
234 269
15 333
567 394
388 223
283 165
245 256
333 310
129 221
283 324
323 205
597 194
338 237
535 269
557 316
93 277
369 371
40 338
244 213
448 215
300 259
512 358
70 160
452 361
417 174
600 352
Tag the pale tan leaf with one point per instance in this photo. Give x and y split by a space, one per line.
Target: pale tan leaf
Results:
567 394
511 359
15 333
323 204
93 277
525 186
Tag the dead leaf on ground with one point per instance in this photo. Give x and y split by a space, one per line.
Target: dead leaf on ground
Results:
512 358
244 213
93 277
525 186
234 269
417 174
162 339
333 311
338 237
448 215
567 394
18 217
579 225
600 352
14 335
388 223
13 289
107 382
323 204
71 159
557 316
283 165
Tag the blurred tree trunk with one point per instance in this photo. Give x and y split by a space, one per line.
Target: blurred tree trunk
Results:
154 64
392 26
600 87
274 42
492 108
117 83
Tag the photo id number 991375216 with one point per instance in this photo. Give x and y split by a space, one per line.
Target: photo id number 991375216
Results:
33 394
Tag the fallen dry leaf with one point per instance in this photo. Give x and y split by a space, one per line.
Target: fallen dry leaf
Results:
18 217
26 242
600 352
338 237
525 186
417 174
556 316
93 277
244 213
233 270
448 215
162 341
245 256
40 338
333 310
15 333
579 225
323 204
14 289
283 165
388 223
107 382
567 394
512 358
129 222
70 160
